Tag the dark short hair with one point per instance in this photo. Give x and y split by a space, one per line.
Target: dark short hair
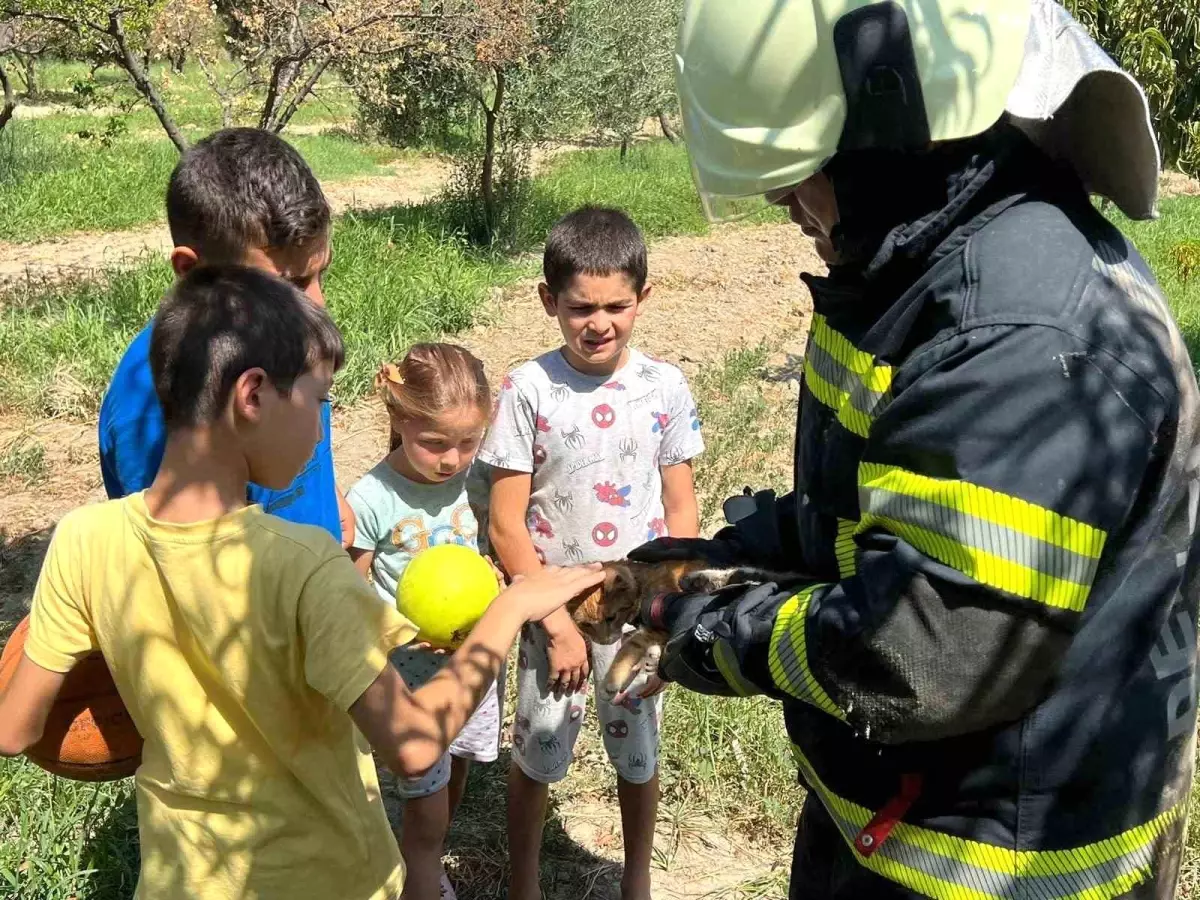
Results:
593 240
241 188
220 321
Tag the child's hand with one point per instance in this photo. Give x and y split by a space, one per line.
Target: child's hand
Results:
425 645
538 595
501 578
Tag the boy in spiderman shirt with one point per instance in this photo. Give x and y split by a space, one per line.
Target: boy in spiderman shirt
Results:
591 449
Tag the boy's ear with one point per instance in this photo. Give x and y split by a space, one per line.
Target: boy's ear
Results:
642 298
183 260
247 395
549 301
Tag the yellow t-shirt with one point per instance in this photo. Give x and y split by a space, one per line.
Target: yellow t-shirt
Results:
238 645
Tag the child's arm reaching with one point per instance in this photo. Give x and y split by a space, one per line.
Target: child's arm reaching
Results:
679 501
410 730
509 536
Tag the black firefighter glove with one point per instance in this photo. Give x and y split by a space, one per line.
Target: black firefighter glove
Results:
763 529
740 615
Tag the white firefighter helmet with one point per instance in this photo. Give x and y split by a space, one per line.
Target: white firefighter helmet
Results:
770 90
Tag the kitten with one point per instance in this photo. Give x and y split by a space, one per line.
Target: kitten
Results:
602 613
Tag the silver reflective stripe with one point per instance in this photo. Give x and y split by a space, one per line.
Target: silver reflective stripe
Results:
862 398
972 531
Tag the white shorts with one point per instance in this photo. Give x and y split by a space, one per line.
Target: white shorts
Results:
479 739
545 728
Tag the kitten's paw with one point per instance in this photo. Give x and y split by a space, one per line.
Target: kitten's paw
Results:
704 580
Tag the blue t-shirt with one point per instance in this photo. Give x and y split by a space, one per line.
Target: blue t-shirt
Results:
133 435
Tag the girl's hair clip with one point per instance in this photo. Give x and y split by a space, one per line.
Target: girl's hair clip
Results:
389 373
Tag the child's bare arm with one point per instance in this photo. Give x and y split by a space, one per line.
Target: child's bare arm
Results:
567 650
362 560
507 531
346 517
679 501
410 730
25 704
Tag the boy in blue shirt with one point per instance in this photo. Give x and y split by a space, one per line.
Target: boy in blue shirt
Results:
241 195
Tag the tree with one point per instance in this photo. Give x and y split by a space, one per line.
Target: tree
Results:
621 58
479 61
109 32
1159 44
7 39
284 47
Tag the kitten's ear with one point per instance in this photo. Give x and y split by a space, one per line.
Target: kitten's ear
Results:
620 584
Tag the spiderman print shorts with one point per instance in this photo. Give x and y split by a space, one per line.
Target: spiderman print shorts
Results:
546 727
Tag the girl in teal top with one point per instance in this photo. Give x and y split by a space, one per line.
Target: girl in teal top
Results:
424 493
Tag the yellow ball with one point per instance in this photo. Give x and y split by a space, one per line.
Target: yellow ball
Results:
444 591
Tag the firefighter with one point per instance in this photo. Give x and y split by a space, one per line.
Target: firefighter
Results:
985 637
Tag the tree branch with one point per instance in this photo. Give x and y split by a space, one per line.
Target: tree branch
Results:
299 96
10 101
127 60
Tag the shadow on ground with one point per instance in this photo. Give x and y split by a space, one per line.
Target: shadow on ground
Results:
478 847
20 561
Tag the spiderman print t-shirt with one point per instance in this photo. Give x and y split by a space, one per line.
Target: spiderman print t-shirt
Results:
596 447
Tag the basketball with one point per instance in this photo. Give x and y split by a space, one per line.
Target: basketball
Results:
444 591
89 735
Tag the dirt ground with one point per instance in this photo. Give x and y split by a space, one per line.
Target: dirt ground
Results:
736 287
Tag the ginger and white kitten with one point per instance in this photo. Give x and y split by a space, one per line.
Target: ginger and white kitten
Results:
602 613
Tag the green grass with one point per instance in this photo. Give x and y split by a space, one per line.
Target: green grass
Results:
52 182
391 283
23 460
61 840
653 184
1167 245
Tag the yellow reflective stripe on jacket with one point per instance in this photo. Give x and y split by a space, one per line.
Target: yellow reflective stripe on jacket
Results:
731 671
844 547
845 379
1001 541
945 867
788 655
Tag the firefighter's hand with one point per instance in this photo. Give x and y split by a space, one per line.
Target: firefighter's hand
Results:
568 655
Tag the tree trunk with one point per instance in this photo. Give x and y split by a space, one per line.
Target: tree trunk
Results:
128 61
308 87
624 146
283 73
179 60
29 62
665 124
10 101
490 117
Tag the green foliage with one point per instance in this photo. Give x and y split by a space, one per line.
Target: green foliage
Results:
1159 44
619 62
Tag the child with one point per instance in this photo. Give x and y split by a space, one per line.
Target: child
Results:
592 445
247 648
423 494
241 195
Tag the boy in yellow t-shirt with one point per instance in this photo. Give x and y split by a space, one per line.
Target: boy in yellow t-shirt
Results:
248 648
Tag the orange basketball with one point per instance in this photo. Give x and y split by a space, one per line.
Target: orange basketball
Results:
89 735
